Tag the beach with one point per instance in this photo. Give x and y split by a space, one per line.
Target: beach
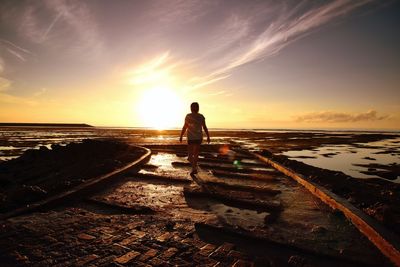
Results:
234 198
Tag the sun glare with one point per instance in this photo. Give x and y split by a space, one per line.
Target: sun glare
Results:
160 108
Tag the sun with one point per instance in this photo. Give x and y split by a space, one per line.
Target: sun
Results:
160 108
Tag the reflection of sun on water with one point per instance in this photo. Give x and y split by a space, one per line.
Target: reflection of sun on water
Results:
160 108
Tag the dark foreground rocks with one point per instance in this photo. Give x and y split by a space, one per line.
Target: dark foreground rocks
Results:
378 198
39 174
247 215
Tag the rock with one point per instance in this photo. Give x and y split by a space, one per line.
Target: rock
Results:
55 147
337 213
30 154
319 229
169 226
266 153
38 190
43 149
85 236
4 182
297 261
351 199
28 193
381 212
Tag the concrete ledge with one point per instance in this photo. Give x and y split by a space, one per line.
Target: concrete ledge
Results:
82 188
387 242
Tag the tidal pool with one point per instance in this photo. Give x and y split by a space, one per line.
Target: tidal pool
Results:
346 158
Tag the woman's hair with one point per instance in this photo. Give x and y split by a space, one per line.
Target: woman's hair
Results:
194 107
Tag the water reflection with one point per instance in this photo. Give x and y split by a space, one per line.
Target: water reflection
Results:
345 157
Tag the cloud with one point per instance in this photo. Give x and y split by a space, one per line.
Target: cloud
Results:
154 72
78 16
198 82
1 65
46 33
340 117
58 23
180 12
40 92
243 33
4 84
247 36
14 50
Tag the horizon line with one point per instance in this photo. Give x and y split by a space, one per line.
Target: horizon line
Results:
344 129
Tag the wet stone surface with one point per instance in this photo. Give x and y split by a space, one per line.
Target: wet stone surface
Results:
41 174
163 217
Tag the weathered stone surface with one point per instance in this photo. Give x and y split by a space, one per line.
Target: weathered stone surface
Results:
93 235
207 249
242 263
86 259
169 253
127 257
85 236
149 254
296 261
128 240
164 237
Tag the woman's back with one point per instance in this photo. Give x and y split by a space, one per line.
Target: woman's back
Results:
195 122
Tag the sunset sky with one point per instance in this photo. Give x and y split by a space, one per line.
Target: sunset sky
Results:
250 64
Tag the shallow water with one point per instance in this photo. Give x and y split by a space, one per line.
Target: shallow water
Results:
14 141
345 157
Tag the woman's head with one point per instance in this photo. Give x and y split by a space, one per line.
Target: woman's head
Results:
194 107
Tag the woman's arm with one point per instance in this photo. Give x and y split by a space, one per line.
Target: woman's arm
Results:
206 130
183 131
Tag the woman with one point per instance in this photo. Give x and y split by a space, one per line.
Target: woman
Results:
194 123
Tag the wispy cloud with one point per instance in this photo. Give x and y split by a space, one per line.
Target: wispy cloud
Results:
155 71
79 17
180 11
198 82
341 117
40 92
1 65
244 41
71 19
4 84
46 33
15 50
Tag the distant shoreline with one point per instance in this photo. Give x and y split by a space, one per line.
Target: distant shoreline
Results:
84 125
64 125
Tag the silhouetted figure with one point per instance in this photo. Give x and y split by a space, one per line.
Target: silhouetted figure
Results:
194 123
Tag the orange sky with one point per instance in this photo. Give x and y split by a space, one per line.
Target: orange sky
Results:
249 64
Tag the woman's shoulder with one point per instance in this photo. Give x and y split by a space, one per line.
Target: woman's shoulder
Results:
195 115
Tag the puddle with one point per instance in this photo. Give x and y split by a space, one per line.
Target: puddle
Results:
244 218
8 158
344 157
7 148
164 167
154 195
